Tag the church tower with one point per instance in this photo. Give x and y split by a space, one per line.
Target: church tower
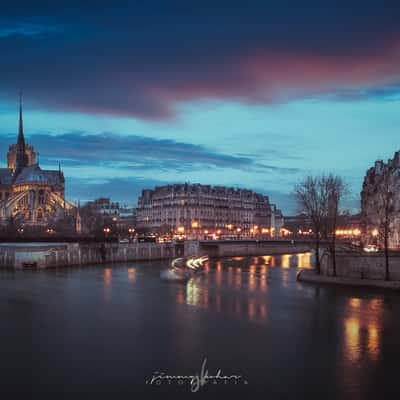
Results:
21 159
21 154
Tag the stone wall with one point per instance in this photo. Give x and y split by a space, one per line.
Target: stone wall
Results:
63 255
361 265
67 254
250 248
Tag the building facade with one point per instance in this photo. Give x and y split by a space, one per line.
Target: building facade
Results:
29 194
381 186
104 206
198 208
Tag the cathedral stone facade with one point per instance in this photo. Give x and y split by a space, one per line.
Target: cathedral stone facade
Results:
28 194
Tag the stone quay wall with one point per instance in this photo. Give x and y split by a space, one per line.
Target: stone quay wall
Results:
36 255
356 265
19 256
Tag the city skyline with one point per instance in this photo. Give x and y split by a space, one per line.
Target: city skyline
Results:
296 92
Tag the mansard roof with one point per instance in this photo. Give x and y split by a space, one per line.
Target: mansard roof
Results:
6 177
34 174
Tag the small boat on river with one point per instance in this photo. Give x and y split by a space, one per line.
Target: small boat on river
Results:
184 268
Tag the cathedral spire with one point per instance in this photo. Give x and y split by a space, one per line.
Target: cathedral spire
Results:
21 159
21 138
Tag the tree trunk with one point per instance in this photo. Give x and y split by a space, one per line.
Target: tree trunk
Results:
386 254
317 263
333 253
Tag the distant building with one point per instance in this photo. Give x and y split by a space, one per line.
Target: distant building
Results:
194 208
122 216
371 201
30 195
104 206
298 224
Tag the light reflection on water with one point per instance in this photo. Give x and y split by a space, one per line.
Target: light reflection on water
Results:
362 332
246 315
131 274
248 278
240 288
107 276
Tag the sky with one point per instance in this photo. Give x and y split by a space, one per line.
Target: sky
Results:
255 94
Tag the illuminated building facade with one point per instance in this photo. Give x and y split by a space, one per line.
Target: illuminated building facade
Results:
199 208
381 178
29 194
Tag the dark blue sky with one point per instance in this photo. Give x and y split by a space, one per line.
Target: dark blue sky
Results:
254 94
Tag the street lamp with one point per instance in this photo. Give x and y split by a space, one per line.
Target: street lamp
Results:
195 225
106 232
181 231
131 232
255 230
238 230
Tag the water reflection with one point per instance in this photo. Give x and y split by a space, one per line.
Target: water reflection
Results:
238 287
248 278
107 277
304 260
131 274
362 329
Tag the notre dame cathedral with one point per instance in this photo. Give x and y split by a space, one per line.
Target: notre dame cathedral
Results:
28 194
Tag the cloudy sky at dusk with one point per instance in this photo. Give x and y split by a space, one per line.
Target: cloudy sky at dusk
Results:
250 94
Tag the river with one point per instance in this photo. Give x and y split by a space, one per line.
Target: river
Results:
109 330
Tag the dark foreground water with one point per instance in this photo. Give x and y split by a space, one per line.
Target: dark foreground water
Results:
103 331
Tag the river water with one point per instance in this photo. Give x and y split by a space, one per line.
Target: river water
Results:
107 331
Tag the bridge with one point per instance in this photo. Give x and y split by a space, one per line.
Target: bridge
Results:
232 248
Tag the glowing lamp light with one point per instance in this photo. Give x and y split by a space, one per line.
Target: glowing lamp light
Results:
195 224
238 230
181 229
375 232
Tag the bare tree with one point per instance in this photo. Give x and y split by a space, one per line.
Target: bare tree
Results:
312 199
384 207
335 188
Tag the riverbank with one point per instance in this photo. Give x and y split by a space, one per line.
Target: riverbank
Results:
310 276
58 255
42 256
